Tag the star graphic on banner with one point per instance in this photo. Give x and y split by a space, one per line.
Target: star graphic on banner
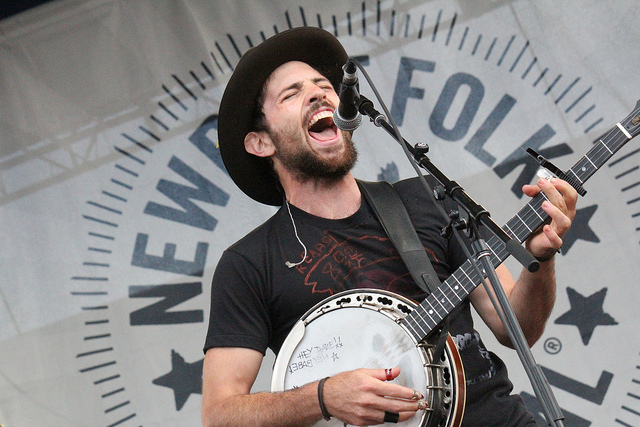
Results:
586 313
580 229
184 379
389 173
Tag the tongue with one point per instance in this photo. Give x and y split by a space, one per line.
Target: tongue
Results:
323 130
324 135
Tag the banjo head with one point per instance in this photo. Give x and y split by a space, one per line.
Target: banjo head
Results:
363 329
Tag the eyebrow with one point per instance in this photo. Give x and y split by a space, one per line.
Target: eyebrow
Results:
298 85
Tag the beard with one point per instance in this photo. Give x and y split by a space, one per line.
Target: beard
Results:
306 165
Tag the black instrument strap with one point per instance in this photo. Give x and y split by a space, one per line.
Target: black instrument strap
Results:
395 220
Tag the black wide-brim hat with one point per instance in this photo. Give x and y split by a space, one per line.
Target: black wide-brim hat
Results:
314 46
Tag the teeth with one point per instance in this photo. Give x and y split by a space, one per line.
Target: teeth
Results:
321 115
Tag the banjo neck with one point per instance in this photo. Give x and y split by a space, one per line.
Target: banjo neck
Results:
431 312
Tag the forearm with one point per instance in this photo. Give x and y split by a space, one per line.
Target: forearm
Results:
360 397
533 298
298 407
533 295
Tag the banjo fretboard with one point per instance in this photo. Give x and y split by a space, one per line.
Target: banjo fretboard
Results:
432 311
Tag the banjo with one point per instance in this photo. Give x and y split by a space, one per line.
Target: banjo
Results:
375 328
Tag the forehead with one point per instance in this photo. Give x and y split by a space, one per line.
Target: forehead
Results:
289 74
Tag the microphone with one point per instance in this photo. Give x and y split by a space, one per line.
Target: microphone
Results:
347 117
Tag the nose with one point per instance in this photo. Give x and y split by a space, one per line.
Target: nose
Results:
316 93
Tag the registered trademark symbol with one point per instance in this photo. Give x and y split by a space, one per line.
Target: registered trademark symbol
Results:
552 345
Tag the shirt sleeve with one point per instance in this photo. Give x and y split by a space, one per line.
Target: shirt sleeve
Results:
239 315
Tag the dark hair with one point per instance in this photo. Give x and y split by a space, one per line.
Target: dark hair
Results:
259 121
259 124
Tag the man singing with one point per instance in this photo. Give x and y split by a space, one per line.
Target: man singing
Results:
281 147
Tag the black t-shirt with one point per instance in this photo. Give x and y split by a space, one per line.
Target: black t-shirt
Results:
256 299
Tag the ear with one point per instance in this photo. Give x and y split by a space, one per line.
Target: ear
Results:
259 144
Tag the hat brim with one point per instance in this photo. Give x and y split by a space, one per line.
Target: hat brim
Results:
314 46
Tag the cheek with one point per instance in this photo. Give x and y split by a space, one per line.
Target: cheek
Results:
282 118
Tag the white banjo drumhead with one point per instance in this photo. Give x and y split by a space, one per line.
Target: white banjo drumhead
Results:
347 338
352 338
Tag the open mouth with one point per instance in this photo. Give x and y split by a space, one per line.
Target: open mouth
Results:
321 126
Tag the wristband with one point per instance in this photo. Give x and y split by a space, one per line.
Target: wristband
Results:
323 408
546 258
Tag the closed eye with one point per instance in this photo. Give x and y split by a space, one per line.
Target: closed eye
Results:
289 95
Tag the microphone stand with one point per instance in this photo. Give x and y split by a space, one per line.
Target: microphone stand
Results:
477 214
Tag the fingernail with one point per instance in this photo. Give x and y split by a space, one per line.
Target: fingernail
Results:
417 395
422 405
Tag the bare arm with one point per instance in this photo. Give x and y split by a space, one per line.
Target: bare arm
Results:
532 298
358 397
533 295
228 375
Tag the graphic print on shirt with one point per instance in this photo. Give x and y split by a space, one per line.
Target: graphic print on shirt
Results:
336 264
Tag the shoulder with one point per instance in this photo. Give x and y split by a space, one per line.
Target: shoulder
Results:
255 248
244 263
260 234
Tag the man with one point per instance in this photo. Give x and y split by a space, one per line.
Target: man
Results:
280 146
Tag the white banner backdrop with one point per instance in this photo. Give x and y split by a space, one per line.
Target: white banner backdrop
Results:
115 206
